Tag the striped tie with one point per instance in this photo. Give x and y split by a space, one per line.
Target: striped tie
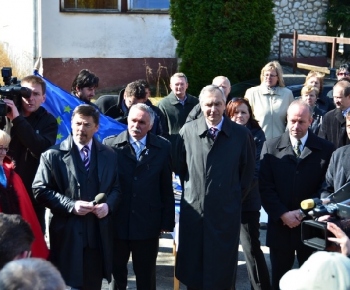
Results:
86 159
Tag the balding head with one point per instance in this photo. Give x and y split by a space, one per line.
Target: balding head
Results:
224 83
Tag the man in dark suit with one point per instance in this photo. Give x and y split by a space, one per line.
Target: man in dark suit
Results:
292 169
147 208
216 162
118 106
333 124
69 177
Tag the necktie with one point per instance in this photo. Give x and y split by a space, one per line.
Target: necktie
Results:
138 149
86 159
213 132
296 148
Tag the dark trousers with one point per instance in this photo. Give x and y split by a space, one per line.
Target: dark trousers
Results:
40 214
256 265
92 270
144 256
282 261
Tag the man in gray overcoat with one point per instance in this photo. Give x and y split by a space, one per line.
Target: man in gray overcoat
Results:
216 164
69 177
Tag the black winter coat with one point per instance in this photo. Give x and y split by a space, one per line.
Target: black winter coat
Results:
56 186
31 136
286 180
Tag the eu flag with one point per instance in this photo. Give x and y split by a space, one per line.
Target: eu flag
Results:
61 105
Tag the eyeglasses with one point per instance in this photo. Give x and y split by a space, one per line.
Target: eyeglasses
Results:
270 76
4 149
343 74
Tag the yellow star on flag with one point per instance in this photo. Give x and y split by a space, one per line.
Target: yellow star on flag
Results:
67 109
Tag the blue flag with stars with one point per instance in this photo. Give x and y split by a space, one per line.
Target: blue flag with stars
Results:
61 105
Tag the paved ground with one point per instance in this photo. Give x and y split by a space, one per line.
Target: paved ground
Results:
165 267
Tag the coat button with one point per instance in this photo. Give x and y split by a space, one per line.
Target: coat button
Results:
135 178
134 195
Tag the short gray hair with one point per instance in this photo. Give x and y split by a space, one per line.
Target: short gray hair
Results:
179 75
31 273
145 108
211 89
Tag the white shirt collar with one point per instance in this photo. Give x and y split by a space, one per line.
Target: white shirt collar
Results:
81 146
218 126
294 140
132 140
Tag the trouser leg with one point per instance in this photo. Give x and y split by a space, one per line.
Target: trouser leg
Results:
121 254
256 265
144 256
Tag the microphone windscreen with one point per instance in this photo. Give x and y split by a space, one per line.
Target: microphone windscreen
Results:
307 204
100 198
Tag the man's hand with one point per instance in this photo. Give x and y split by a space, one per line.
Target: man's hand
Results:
340 238
82 207
291 218
13 111
101 210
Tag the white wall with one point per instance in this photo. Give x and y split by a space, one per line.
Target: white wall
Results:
84 35
16 33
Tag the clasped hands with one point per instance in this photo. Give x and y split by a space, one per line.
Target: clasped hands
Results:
82 207
292 218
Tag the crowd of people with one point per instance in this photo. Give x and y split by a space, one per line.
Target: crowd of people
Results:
112 199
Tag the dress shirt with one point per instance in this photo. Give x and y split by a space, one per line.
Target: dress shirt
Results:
294 141
80 147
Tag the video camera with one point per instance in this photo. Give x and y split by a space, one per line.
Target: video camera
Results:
11 90
315 234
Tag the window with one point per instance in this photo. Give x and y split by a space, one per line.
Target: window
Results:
112 6
149 4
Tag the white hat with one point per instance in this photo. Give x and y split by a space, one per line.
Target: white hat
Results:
323 270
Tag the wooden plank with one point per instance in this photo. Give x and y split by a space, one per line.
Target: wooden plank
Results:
310 67
315 38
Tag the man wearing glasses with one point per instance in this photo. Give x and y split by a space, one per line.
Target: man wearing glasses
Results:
343 73
333 127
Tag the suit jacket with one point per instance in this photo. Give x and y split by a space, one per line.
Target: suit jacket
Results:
338 172
57 186
333 128
286 180
148 202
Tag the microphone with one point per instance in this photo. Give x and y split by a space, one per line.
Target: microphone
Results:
100 198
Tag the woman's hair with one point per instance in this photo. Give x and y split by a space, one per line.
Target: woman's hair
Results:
4 138
231 109
318 75
276 66
308 89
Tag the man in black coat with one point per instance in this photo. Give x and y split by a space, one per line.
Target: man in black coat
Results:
148 206
33 131
216 162
292 169
118 106
333 124
338 173
69 178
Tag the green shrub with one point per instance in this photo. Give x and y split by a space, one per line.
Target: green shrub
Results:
216 37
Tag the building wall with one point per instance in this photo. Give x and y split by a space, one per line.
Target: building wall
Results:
304 16
17 31
122 47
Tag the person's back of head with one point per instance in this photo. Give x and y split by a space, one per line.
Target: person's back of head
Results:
322 271
29 274
16 238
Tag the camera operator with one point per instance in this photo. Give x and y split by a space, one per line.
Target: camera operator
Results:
33 131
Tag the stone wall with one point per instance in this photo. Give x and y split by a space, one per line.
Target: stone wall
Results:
304 16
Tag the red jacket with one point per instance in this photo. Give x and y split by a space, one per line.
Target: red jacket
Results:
39 247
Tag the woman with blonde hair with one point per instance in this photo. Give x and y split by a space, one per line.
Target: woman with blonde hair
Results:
270 100
316 79
14 198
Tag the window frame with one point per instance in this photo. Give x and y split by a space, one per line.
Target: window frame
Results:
123 7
